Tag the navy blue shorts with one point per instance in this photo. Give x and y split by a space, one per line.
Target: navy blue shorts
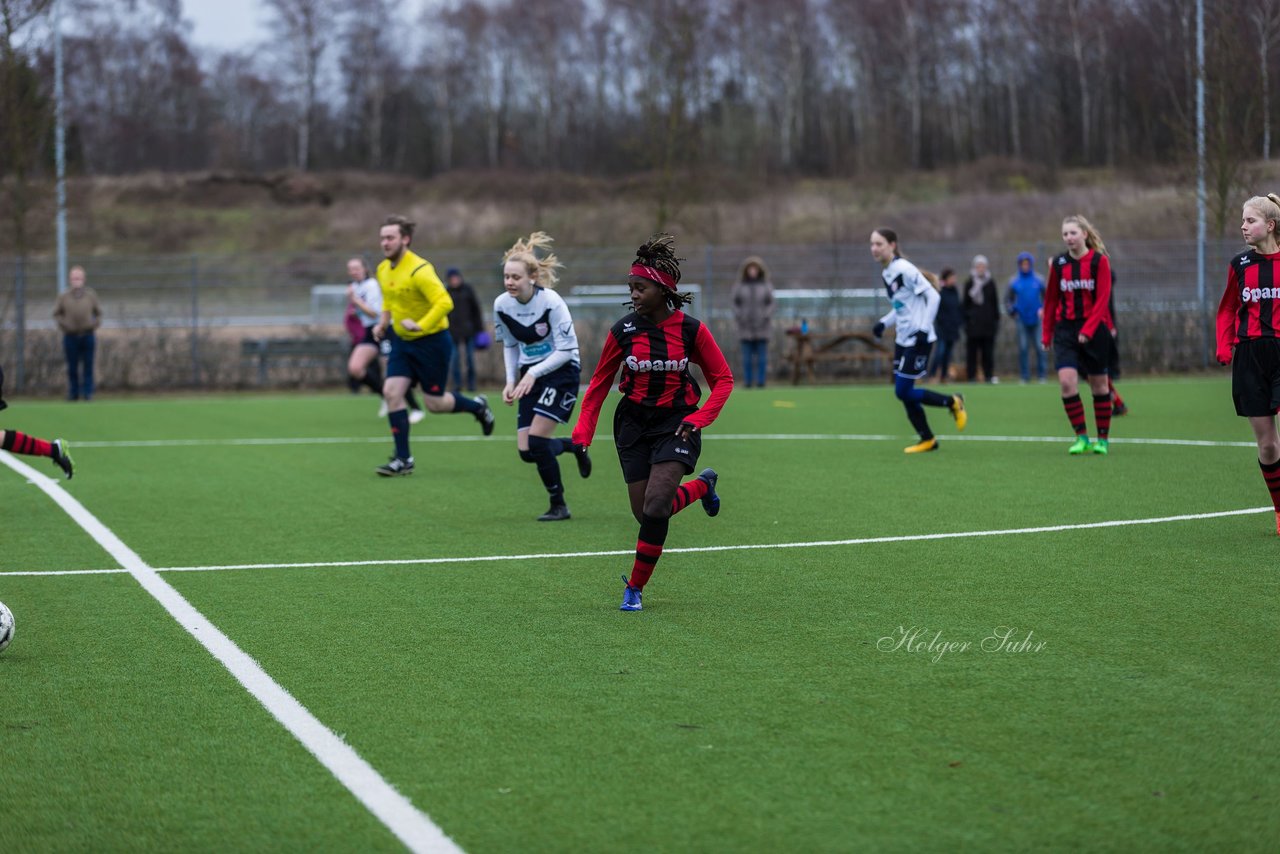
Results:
552 396
645 435
1093 358
424 360
912 362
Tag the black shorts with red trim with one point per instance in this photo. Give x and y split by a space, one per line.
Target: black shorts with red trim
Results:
645 435
1093 358
1255 377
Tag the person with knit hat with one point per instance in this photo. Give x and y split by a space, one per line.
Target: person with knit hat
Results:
465 320
753 306
1025 303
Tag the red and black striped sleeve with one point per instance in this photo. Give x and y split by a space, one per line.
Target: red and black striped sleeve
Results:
706 354
1052 290
601 381
1100 310
1228 312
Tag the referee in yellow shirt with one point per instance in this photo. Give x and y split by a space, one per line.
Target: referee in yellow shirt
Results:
415 313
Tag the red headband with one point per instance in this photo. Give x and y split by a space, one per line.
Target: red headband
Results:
646 272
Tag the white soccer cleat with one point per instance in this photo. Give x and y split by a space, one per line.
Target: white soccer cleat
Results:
382 410
416 415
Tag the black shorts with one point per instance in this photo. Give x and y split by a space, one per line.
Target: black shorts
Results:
2 403
552 396
912 362
646 435
424 360
1093 358
367 337
1255 377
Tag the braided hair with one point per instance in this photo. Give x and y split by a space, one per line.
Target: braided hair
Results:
660 254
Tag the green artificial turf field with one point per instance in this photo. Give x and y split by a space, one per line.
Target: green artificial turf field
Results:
764 700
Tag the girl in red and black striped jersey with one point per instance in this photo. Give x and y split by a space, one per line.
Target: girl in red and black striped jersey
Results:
657 427
21 443
1077 321
1248 319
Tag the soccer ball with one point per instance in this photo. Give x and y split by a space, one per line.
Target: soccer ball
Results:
6 626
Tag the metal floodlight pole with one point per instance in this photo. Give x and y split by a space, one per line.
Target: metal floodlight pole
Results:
59 147
1200 169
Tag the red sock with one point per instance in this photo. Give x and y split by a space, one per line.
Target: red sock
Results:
1102 414
1116 400
1271 474
1075 413
21 443
653 533
688 493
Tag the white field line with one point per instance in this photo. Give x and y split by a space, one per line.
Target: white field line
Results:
411 826
735 437
858 541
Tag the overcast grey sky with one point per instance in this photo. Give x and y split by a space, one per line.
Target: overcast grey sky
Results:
225 23
230 24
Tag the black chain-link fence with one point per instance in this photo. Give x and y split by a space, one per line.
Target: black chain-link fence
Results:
182 322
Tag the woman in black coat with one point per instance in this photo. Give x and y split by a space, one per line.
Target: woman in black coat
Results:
981 319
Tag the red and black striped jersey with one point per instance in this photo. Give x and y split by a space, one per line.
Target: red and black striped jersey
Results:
1079 290
1249 308
655 370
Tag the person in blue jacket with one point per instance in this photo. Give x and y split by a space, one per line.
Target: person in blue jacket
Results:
1025 303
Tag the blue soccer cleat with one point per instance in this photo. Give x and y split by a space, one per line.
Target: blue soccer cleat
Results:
710 501
630 597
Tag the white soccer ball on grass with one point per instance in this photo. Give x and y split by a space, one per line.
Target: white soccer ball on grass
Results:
6 626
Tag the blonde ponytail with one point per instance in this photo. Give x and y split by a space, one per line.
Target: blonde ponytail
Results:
1092 239
541 269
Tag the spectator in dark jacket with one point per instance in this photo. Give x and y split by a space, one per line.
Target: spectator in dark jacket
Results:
981 319
947 324
464 322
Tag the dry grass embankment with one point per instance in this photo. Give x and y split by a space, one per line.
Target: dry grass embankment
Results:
219 212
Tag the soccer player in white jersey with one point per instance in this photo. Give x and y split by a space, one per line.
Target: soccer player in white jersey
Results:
540 352
915 305
365 295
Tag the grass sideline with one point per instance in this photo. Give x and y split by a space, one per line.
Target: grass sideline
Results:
755 704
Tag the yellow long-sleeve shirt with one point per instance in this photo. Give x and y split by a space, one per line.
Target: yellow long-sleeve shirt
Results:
412 290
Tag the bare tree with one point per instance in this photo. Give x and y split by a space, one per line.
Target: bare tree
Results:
25 115
305 27
1265 17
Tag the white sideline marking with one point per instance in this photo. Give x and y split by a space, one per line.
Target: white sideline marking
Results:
411 826
859 541
736 437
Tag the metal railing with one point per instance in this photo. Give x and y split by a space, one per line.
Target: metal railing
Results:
193 308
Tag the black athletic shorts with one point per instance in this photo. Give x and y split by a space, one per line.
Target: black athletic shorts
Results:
646 435
1255 377
2 403
552 395
912 362
425 360
1093 358
368 337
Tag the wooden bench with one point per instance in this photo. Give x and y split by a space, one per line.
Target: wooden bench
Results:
328 353
809 348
